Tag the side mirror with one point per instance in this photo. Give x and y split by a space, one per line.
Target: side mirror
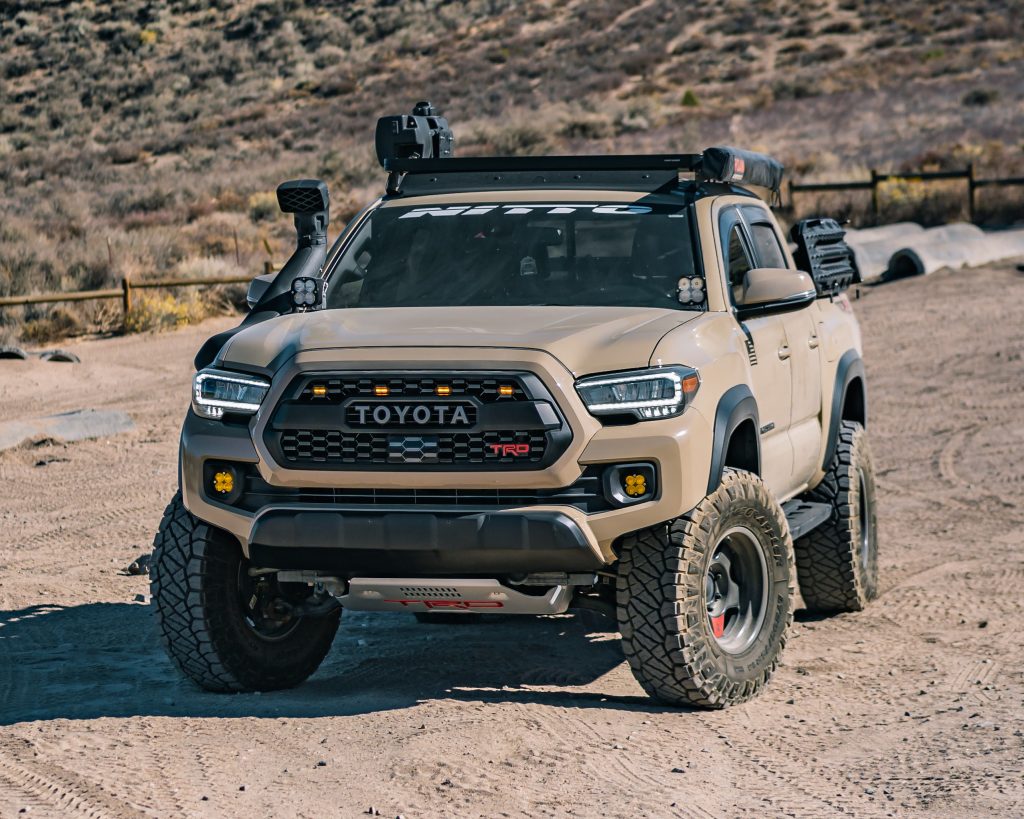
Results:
257 287
768 290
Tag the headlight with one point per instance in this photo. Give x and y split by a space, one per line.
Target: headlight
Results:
215 392
660 392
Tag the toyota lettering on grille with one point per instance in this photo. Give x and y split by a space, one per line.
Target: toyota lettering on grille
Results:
407 414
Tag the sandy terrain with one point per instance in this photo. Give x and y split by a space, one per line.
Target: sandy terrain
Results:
911 708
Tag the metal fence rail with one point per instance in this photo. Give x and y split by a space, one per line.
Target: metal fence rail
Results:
973 183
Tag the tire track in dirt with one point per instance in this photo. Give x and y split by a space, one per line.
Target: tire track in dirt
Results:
164 795
948 455
777 774
636 765
52 785
954 592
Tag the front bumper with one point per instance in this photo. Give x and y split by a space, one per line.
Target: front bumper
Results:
368 543
389 539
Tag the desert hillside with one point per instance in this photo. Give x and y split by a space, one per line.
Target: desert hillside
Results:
142 138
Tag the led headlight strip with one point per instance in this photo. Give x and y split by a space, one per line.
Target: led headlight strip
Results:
215 392
658 392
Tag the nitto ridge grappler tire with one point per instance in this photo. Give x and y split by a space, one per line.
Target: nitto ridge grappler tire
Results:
838 561
704 601
213 616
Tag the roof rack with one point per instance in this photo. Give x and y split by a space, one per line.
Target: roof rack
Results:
656 172
416 151
644 172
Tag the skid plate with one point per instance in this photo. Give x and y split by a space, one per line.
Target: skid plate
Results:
450 596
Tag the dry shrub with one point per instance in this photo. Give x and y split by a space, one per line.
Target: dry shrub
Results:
592 126
57 324
978 97
516 140
999 207
263 206
343 210
900 200
824 53
151 312
214 235
928 203
207 267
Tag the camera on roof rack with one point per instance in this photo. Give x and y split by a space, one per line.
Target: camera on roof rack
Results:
420 135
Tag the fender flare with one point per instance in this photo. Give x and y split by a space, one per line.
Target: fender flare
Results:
850 367
214 344
734 407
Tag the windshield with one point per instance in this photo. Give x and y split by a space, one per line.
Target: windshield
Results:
491 254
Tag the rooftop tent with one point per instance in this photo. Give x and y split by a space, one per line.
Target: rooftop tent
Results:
733 165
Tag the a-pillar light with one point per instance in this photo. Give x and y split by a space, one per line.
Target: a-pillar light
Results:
307 292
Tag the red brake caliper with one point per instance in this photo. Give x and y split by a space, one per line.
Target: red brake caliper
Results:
718 625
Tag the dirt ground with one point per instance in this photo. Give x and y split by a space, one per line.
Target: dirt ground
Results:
911 708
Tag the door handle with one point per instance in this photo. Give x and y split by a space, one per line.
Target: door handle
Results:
784 352
812 342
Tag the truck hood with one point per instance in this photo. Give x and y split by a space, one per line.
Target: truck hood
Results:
584 339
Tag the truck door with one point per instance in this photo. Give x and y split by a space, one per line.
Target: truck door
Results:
804 353
771 375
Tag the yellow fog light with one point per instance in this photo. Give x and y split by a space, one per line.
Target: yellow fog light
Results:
224 482
505 390
319 391
443 390
380 390
635 485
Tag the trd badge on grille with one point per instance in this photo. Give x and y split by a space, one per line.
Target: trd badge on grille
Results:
396 414
412 449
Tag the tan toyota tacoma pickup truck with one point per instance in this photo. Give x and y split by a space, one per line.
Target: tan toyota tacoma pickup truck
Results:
521 386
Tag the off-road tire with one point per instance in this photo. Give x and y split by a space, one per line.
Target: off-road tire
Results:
194 584
837 571
662 606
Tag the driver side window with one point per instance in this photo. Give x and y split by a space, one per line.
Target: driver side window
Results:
737 260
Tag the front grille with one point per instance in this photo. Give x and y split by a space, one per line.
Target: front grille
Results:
586 494
417 421
305 446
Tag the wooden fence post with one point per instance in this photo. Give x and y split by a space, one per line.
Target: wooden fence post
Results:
126 298
268 267
874 194
970 192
